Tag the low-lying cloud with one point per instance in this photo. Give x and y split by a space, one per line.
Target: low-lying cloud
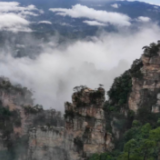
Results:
94 23
12 22
115 5
14 17
54 73
81 11
45 22
143 19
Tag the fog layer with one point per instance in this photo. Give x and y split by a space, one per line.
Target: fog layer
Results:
54 73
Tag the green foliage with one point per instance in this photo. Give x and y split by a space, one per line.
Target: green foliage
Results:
16 118
21 94
158 122
141 142
136 69
138 74
151 50
95 157
105 156
78 143
79 88
119 92
98 94
33 109
136 123
4 113
93 96
69 114
155 134
140 134
144 115
6 125
119 124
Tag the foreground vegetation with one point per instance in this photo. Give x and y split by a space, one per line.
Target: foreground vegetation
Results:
141 142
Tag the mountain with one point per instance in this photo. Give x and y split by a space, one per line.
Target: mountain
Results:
126 125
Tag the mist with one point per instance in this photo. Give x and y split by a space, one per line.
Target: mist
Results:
55 71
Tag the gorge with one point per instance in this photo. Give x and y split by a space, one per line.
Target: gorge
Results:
92 127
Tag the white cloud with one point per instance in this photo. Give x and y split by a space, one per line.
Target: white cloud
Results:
66 24
80 11
45 22
14 23
143 19
115 5
94 23
14 7
13 17
54 73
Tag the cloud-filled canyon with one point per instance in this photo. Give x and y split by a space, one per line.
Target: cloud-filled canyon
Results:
58 68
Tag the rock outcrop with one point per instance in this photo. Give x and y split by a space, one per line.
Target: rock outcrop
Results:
146 82
135 92
30 133
90 124
85 122
84 132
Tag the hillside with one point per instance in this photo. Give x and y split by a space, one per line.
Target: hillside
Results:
125 127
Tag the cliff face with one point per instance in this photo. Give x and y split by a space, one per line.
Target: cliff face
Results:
135 93
91 124
28 132
13 121
85 122
47 141
23 125
146 85
84 132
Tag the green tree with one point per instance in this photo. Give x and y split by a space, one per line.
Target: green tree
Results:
129 150
147 149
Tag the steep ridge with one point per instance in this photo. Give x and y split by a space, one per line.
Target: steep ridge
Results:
85 121
84 132
36 134
146 86
90 124
135 90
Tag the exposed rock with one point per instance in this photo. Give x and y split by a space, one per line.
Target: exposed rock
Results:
85 120
83 135
28 132
145 91
38 134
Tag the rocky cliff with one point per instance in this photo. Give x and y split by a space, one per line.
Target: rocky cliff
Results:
85 122
135 92
84 132
30 133
90 124
146 84
19 119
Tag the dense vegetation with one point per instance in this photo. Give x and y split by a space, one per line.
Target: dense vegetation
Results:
119 92
152 49
9 120
32 109
20 94
139 133
141 142
93 96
